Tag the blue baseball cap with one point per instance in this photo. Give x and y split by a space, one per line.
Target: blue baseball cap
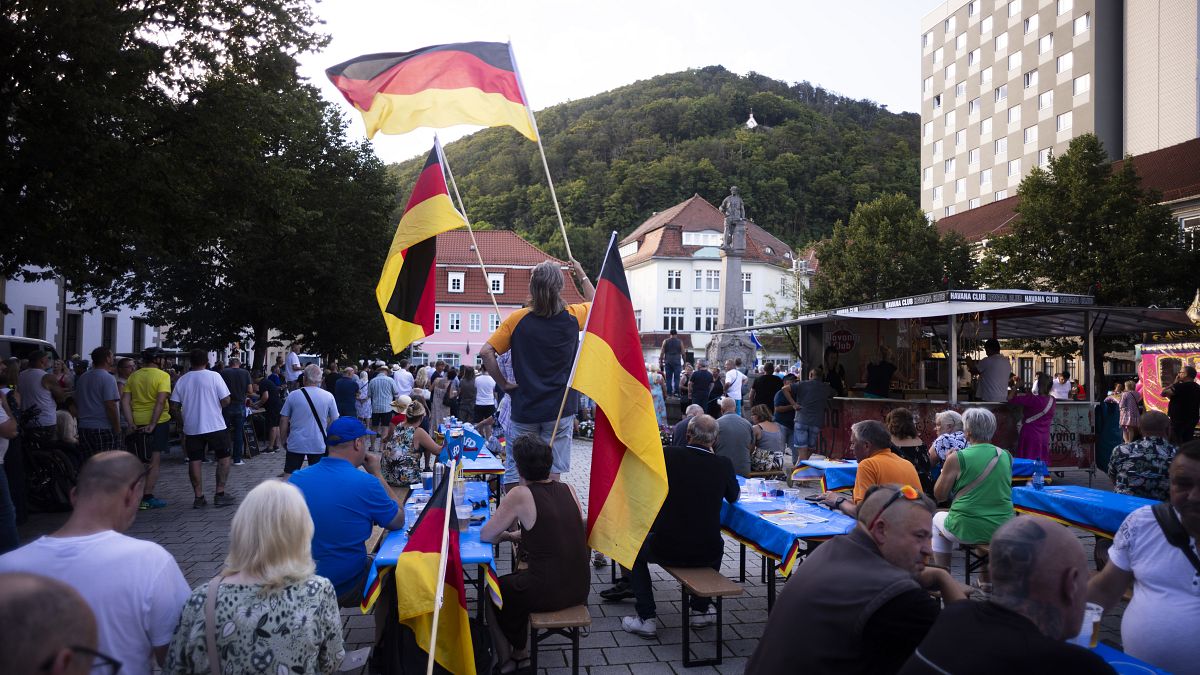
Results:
345 429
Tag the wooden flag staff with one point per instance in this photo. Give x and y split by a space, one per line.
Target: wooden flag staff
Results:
463 208
440 593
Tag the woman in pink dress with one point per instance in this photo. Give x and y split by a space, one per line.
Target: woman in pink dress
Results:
1130 417
1038 414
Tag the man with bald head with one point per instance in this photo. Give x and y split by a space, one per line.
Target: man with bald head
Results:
48 627
134 587
1159 625
861 601
1039 589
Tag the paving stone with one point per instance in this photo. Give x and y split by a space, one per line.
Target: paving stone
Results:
609 670
592 657
628 654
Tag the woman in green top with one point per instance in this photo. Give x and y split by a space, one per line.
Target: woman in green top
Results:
979 507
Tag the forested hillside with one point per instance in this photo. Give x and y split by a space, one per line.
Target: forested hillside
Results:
619 156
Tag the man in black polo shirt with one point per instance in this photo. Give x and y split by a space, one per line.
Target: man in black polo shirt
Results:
701 383
1184 406
671 356
687 532
543 339
765 387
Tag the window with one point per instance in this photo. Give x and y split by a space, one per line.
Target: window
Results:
674 280
937 54
1030 79
985 126
700 279
672 318
937 193
973 157
1001 93
749 317
927 85
948 166
985 26
1014 8
1031 134
1014 60
1014 114
950 72
973 57
418 358
74 344
937 151
452 359
960 187
1069 368
985 76
1045 43
1044 157
454 322
948 25
973 203
747 284
1064 62
1000 147
949 120
1048 367
926 39
960 89
637 319
139 335
455 281
1001 194
950 210
927 130
960 42
1002 41
1045 99
973 8
1014 168
973 106
712 280
927 174
474 322
1031 24
1083 23
937 101
706 318
706 238
1063 121
1081 84
496 282
1189 229
108 334
437 321
493 322
985 177
1064 6
1025 369
960 138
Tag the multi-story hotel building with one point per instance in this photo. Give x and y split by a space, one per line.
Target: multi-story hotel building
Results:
1006 83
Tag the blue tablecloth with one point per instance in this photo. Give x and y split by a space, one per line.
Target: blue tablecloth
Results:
743 522
485 463
1097 511
1125 664
841 475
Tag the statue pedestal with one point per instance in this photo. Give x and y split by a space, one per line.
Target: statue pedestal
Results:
730 347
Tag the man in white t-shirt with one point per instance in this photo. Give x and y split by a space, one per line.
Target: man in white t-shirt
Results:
403 378
199 396
1061 389
734 379
485 402
1159 625
303 435
134 587
993 372
292 370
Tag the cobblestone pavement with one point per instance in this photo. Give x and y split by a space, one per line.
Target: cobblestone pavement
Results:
198 538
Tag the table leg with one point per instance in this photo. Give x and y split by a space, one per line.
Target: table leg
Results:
742 563
481 590
769 570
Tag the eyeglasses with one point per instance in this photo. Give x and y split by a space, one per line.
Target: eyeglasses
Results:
101 663
906 491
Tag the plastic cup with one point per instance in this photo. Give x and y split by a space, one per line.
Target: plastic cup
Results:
464 517
427 480
791 498
1089 631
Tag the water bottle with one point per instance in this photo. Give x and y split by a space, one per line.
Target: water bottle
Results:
1039 475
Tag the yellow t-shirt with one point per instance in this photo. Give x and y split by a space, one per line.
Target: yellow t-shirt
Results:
143 387
883 468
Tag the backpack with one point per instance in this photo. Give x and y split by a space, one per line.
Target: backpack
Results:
1174 532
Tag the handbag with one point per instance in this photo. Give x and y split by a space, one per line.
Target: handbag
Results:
210 625
978 479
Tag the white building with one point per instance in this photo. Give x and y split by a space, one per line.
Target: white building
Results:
74 325
673 264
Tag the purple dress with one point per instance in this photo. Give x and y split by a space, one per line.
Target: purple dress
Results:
1034 439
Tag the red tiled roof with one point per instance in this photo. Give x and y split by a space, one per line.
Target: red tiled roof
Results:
500 248
654 340
1173 171
661 235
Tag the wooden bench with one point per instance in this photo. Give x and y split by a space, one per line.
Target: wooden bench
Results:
702 582
977 558
565 622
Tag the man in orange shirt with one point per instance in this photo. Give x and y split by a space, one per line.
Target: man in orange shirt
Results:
881 466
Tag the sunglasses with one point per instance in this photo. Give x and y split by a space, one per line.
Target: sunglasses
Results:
101 663
906 491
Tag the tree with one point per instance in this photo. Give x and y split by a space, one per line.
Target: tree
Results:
887 249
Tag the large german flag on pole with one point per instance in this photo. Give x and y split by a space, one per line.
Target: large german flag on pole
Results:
406 290
438 86
417 585
629 475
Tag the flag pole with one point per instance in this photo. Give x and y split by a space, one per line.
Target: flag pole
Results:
478 254
441 575
579 348
545 165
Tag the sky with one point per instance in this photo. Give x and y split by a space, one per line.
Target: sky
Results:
571 49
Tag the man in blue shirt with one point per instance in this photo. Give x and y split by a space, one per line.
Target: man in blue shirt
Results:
345 393
345 503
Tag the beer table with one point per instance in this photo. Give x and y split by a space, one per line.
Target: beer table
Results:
839 475
1097 511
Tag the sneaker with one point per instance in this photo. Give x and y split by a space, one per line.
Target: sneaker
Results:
704 619
618 592
598 560
644 628
224 499
199 503
239 463
152 503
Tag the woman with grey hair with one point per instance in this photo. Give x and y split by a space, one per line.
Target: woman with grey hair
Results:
949 425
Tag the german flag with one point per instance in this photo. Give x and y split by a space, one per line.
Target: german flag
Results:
406 292
438 86
417 567
629 474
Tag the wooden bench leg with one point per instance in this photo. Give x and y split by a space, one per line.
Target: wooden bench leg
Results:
574 651
742 564
685 606
688 661
533 649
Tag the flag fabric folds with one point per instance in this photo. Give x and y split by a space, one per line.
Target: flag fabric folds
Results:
406 291
437 86
417 566
629 475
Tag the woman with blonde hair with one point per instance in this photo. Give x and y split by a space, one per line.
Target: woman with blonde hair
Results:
272 613
1130 415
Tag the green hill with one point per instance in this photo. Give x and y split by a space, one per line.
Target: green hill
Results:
619 156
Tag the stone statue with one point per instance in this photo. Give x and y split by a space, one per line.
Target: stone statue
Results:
735 215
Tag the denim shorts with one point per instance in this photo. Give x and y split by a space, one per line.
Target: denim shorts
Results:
806 436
